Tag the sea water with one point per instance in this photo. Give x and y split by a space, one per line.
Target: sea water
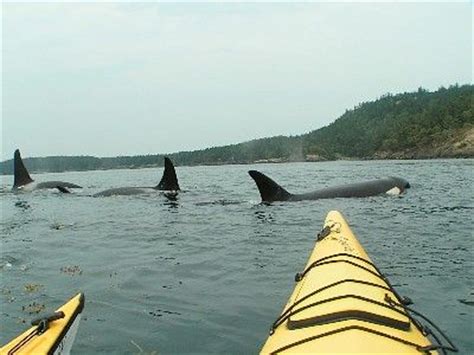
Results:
210 272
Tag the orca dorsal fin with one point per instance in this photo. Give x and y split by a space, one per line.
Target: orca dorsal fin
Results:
269 190
21 176
169 181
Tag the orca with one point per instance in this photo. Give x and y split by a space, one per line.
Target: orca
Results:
270 191
168 183
23 181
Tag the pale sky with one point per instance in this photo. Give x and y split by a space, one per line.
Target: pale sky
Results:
109 79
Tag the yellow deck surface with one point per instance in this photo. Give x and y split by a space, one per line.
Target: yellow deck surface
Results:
341 304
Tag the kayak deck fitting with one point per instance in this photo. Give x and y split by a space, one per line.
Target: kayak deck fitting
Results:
342 303
53 334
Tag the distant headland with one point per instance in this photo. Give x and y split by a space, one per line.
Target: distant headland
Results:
415 125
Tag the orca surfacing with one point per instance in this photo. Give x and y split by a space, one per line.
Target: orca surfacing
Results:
168 182
23 181
270 191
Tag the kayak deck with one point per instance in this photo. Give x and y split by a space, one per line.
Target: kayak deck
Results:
55 336
343 304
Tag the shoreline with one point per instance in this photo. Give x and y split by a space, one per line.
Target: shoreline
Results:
260 161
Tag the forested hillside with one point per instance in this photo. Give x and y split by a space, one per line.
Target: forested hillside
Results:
394 124
420 124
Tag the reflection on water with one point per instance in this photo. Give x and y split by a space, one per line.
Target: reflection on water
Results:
264 215
219 202
172 204
22 205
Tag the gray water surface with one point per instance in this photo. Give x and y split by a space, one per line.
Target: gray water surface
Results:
210 272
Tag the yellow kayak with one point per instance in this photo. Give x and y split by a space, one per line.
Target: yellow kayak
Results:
343 304
53 334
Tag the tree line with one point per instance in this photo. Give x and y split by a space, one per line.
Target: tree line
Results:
392 123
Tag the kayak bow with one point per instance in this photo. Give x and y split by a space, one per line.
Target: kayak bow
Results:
343 304
53 334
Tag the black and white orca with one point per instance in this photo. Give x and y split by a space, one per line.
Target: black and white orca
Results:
270 191
23 181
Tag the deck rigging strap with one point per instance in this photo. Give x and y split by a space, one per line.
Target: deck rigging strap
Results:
439 346
42 325
287 313
25 340
293 312
423 349
299 276
323 261
357 327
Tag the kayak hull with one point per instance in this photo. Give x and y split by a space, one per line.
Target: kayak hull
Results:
343 304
